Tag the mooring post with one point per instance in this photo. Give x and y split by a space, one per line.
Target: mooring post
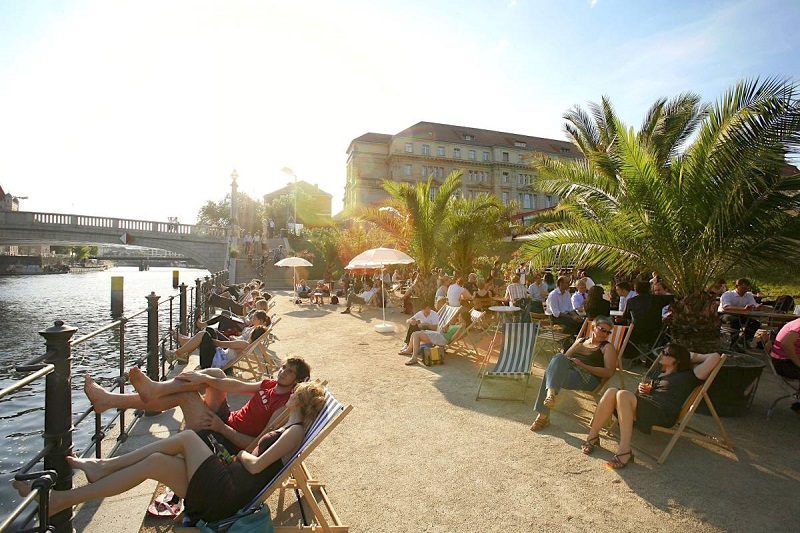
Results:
117 285
58 414
197 303
152 336
182 310
175 274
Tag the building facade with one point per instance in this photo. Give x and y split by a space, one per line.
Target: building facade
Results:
492 162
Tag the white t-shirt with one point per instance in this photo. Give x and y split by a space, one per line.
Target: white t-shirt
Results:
733 298
431 320
454 293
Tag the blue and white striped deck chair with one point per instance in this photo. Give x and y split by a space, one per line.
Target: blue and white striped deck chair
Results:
516 356
330 416
447 314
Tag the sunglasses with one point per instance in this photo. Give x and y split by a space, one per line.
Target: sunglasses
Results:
606 331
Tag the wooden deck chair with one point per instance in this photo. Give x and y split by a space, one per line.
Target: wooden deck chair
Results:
255 359
551 336
619 338
465 339
295 475
516 356
682 428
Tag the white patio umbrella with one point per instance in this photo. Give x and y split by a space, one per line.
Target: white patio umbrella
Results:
379 258
293 262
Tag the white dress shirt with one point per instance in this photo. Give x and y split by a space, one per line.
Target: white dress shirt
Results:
559 303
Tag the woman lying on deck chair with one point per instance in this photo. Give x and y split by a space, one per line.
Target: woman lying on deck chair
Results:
657 403
212 487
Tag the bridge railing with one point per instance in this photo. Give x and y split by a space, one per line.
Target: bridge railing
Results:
56 367
28 218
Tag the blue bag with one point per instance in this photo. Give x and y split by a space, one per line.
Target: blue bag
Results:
259 521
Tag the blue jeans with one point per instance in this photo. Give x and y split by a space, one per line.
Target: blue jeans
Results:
560 375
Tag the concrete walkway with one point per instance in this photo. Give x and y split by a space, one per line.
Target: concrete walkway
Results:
418 453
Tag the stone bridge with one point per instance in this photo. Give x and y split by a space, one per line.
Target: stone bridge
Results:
206 245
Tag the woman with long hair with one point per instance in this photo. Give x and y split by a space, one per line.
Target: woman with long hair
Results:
658 402
212 487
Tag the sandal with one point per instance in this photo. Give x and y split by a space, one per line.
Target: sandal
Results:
590 444
550 401
164 509
616 464
540 423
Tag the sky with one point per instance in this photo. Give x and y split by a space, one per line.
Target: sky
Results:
142 109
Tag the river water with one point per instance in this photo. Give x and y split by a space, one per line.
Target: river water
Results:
29 304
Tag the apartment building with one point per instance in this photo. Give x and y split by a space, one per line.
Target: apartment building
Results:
493 162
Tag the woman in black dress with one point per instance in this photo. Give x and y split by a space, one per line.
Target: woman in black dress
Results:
212 487
595 304
658 402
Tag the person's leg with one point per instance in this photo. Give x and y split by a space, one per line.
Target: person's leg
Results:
208 348
411 329
605 408
159 395
626 415
188 344
154 461
417 338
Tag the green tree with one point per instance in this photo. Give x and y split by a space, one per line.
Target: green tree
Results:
696 191
473 228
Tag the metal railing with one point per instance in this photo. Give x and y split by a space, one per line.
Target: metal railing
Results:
55 367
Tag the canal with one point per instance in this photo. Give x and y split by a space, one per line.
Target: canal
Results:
29 304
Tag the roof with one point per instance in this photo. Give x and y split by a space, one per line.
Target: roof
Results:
304 185
432 131
2 193
371 137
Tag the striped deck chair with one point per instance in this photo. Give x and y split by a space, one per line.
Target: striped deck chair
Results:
256 359
516 356
295 475
447 313
682 428
465 338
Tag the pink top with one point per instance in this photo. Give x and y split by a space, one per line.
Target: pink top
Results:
777 347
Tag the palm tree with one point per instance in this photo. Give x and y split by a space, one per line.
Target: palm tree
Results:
697 191
473 228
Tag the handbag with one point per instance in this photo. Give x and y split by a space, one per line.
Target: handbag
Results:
220 358
259 521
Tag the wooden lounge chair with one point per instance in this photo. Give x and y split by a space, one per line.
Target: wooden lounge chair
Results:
551 336
255 359
516 356
465 339
295 475
682 428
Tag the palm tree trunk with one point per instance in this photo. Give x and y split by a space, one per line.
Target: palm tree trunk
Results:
695 322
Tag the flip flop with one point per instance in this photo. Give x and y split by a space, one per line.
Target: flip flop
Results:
168 497
163 509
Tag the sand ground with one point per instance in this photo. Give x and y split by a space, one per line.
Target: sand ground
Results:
418 453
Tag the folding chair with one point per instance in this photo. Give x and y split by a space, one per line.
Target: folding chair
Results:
477 321
447 313
256 359
682 428
550 335
516 356
301 479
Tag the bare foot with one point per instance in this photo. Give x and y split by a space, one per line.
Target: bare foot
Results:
93 468
57 503
142 383
100 398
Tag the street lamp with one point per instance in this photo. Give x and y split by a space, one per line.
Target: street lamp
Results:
287 170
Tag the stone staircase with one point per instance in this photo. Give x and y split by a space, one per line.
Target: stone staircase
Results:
275 278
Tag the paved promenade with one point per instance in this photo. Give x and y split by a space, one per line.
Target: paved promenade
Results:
419 454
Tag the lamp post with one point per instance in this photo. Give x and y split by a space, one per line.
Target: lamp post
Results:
287 170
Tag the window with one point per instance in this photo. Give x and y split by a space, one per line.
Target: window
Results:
526 201
505 157
521 158
505 177
407 170
520 144
505 198
468 137
525 179
409 148
485 156
426 149
533 202
565 150
440 151
434 190
548 201
456 153
472 155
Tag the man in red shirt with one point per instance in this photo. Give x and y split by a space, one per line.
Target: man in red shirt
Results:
210 413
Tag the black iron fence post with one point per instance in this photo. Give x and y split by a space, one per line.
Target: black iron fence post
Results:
206 292
58 414
152 336
182 310
197 303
